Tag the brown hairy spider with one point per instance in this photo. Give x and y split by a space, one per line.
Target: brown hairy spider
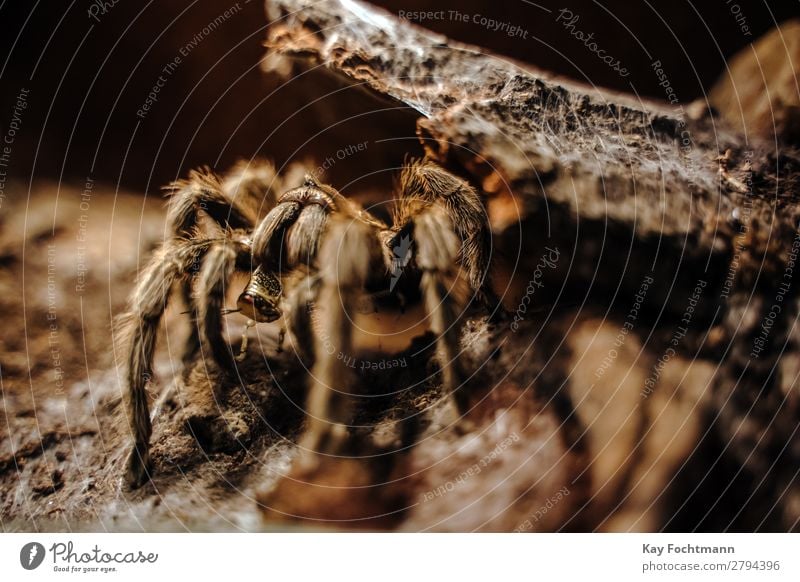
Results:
313 247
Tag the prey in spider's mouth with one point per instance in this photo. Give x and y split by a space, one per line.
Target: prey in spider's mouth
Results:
260 299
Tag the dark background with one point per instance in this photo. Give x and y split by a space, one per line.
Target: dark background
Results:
87 79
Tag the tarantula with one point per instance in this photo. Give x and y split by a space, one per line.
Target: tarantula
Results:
313 247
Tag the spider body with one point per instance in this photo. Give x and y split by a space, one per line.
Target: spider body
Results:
313 250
